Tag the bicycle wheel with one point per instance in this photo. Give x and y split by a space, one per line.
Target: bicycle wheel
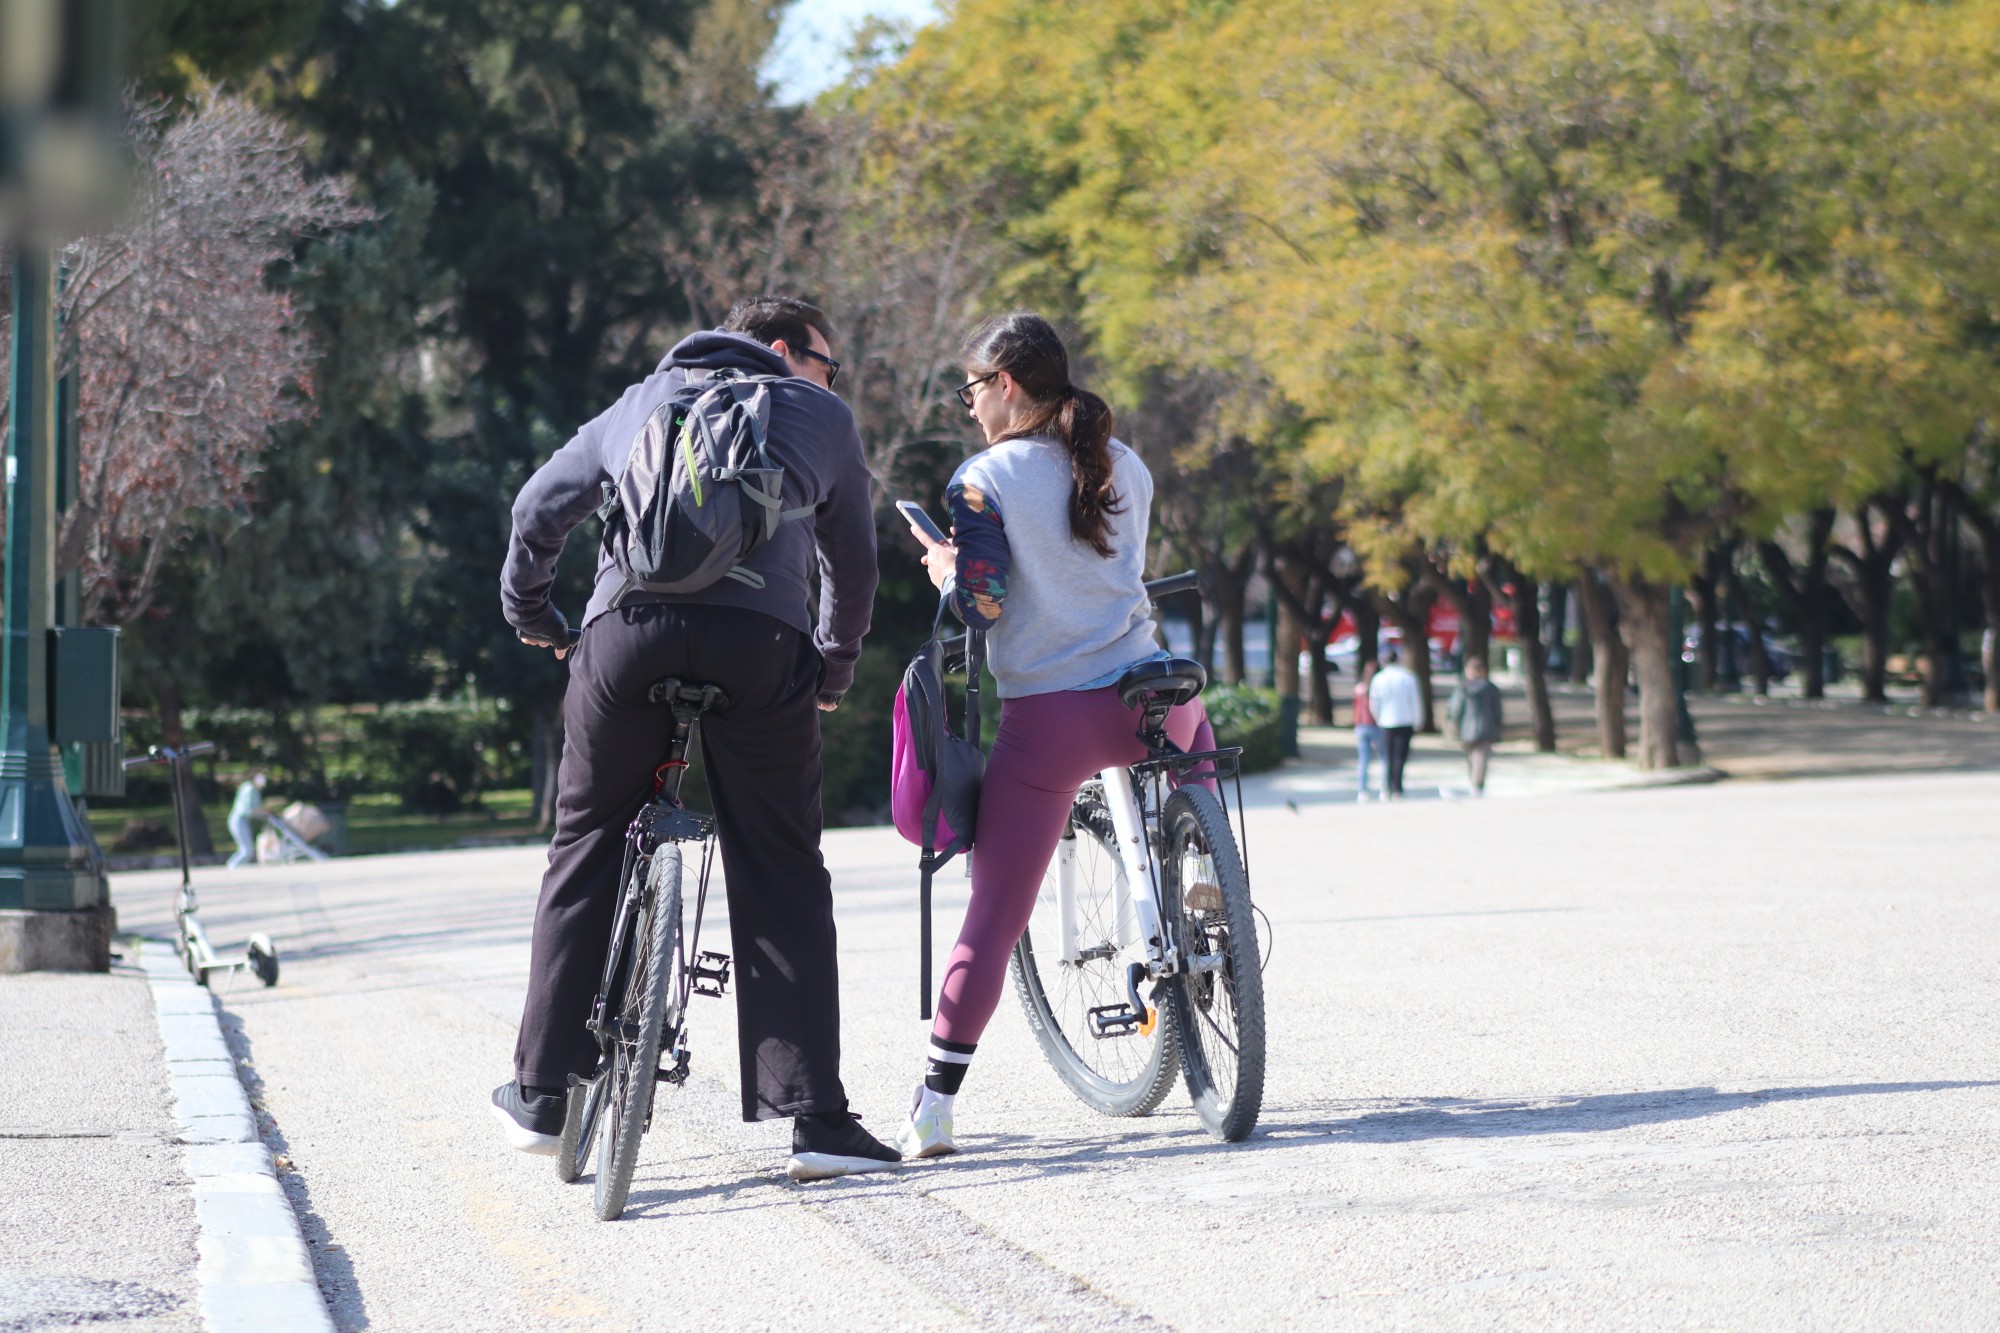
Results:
1218 1008
640 1018
1129 1072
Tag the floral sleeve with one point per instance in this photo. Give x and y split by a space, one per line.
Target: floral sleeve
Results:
983 557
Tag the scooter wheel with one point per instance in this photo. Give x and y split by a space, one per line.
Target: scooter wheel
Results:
263 959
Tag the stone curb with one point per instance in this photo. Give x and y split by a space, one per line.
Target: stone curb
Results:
253 1270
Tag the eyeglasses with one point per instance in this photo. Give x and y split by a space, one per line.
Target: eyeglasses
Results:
832 366
964 391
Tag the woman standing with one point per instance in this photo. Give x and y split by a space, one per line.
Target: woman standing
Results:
1367 734
1048 557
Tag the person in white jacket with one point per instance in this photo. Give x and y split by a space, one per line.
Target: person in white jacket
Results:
1397 701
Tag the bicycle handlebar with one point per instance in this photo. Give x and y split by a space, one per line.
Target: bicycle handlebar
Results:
166 754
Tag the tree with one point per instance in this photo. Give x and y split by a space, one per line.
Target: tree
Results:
571 157
188 356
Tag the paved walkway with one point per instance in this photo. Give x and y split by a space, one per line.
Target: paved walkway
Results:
1715 1056
98 1221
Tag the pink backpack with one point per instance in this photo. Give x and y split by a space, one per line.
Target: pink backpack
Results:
934 775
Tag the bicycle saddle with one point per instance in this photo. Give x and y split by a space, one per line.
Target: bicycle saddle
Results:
688 694
1174 681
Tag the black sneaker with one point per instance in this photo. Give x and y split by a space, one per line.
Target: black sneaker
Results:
826 1144
533 1120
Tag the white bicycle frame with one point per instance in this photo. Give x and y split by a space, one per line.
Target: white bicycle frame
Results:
1140 934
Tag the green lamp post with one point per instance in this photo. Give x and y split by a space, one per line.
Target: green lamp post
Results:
54 901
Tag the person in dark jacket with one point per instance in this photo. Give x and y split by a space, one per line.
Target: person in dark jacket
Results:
777 664
1475 715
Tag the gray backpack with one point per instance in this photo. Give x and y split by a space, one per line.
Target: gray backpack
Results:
699 493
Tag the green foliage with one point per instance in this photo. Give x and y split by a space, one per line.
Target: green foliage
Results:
1247 716
433 756
439 756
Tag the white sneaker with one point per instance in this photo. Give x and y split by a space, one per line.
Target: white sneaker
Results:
927 1133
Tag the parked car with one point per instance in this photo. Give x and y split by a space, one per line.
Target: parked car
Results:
1736 638
1343 653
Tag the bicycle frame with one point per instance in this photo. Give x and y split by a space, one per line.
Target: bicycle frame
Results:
1146 930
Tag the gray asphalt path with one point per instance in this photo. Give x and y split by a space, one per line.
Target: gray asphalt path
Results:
1705 1057
97 1220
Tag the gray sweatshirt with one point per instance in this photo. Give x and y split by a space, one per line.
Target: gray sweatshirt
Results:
1061 616
813 438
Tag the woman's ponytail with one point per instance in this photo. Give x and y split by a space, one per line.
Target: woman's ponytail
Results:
1028 348
1084 425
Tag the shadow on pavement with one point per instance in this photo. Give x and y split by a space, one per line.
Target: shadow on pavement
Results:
1451 1117
1418 1119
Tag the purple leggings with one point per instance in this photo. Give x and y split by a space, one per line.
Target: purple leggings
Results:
1048 745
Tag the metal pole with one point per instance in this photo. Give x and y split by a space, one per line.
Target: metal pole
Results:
45 861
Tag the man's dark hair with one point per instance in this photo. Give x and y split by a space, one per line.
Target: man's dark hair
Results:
769 318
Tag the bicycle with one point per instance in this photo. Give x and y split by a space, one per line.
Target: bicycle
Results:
639 1016
1189 929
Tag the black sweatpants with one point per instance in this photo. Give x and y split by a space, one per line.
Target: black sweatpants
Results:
762 758
1397 741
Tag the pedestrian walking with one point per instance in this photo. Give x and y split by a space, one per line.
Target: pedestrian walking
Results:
1397 701
1048 557
1475 715
249 802
780 666
1368 743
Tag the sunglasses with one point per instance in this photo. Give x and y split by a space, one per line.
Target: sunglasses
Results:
964 391
832 366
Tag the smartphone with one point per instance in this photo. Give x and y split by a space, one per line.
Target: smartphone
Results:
914 512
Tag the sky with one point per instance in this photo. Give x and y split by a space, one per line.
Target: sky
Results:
807 58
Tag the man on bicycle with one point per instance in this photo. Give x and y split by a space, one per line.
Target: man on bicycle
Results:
762 755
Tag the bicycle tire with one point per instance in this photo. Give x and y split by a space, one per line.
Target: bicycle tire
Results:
1126 1075
579 1128
629 1082
1219 1015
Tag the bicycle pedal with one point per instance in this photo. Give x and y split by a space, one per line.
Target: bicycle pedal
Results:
678 1074
1119 1020
711 973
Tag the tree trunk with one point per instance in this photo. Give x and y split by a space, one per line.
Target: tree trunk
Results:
1285 653
1410 611
1874 615
545 747
1760 657
1582 661
1534 661
1475 625
1319 683
1367 631
1230 613
1866 591
167 691
1555 628
1804 591
1608 650
1987 528
1929 530
1707 654
1645 621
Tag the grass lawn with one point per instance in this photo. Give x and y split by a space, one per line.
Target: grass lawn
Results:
375 824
